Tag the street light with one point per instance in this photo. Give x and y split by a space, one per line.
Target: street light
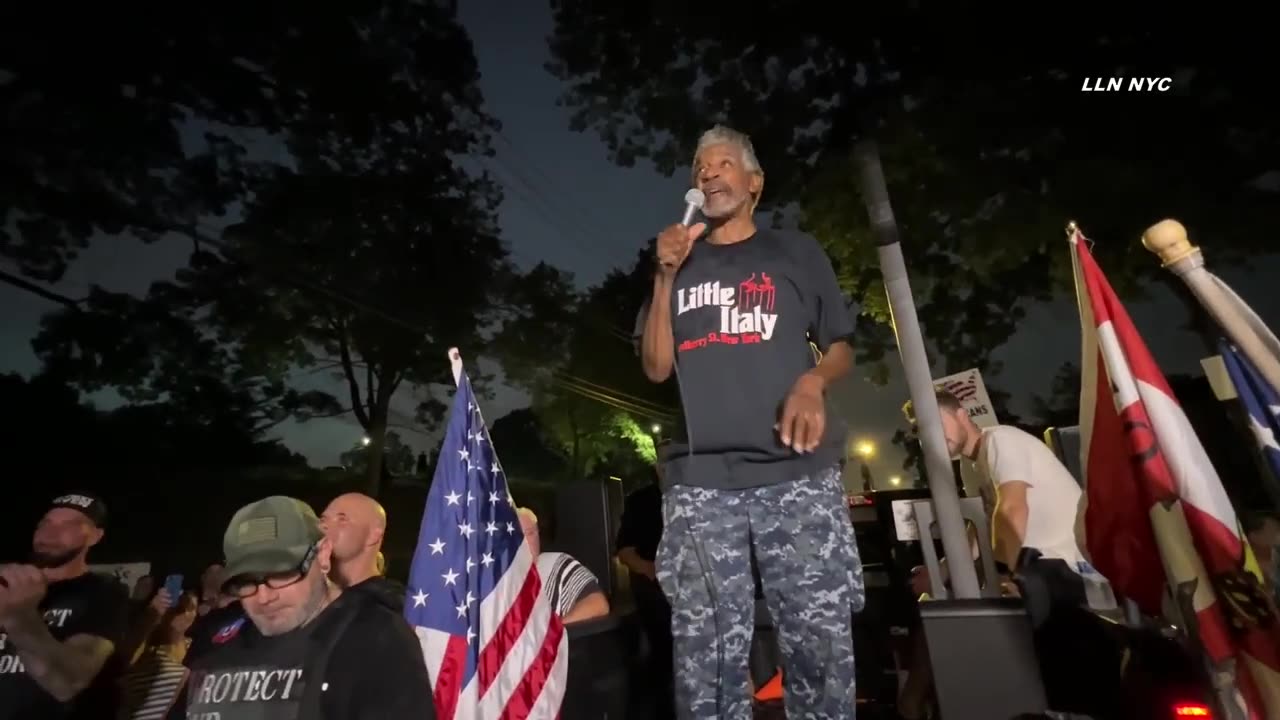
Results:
895 480
865 449
365 440
655 429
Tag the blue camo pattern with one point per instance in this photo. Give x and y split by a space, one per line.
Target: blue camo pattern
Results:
812 577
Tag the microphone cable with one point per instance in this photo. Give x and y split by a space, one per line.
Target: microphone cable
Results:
698 550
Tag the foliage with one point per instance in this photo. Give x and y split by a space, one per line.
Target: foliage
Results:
987 159
334 135
140 122
525 451
575 355
154 354
397 457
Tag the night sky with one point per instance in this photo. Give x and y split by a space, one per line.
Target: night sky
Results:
568 205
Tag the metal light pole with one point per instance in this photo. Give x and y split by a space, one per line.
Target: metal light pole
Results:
915 366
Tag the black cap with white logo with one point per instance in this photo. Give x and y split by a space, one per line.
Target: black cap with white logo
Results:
90 505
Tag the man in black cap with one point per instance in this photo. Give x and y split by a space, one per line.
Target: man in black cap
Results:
60 625
305 649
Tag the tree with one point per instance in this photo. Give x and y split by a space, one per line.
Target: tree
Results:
987 158
154 352
365 246
575 354
138 122
397 458
526 453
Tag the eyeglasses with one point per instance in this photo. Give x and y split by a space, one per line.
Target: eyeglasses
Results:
246 586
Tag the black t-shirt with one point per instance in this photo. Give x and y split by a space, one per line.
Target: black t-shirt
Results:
375 669
641 526
384 591
206 627
743 315
87 605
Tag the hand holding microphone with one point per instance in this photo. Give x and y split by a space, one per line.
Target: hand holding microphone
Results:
675 242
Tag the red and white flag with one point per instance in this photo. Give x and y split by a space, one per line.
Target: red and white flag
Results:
1157 515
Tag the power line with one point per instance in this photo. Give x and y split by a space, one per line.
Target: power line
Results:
586 388
27 286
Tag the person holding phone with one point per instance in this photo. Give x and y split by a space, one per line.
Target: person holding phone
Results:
156 679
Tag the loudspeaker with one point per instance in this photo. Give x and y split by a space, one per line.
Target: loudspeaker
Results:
587 517
983 658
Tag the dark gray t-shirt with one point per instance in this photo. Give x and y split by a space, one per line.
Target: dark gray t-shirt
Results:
743 316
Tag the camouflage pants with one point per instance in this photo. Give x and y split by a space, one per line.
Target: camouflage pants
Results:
812 577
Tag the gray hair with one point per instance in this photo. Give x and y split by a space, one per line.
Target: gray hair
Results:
722 135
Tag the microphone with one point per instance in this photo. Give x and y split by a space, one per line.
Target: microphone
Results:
693 201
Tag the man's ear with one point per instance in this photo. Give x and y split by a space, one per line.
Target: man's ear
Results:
324 555
756 186
95 536
375 536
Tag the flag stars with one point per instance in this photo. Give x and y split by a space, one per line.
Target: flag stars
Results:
462 610
491 528
511 529
465 529
471 635
494 468
487 559
420 600
452 498
437 547
494 498
471 563
1265 436
450 577
470 498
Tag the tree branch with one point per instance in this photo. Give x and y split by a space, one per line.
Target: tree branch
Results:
353 385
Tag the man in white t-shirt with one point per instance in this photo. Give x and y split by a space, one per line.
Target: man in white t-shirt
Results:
1037 500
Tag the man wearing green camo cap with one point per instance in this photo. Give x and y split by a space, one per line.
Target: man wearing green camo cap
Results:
303 651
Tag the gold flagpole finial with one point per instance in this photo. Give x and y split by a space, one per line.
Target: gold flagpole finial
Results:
1072 228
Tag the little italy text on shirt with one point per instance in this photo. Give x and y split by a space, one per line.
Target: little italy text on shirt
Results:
1119 84
745 311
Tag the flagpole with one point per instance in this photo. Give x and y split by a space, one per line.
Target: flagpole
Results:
915 366
1168 240
455 364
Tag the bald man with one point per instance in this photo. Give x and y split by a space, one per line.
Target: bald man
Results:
355 525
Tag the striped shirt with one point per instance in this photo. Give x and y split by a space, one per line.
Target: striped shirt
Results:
565 581
152 685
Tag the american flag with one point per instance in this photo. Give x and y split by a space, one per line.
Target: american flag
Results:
1260 400
494 647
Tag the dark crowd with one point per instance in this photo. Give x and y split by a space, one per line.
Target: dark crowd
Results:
298 619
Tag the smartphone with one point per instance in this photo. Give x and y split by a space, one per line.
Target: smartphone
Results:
173 586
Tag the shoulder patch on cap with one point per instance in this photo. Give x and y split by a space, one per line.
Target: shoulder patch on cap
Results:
227 633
